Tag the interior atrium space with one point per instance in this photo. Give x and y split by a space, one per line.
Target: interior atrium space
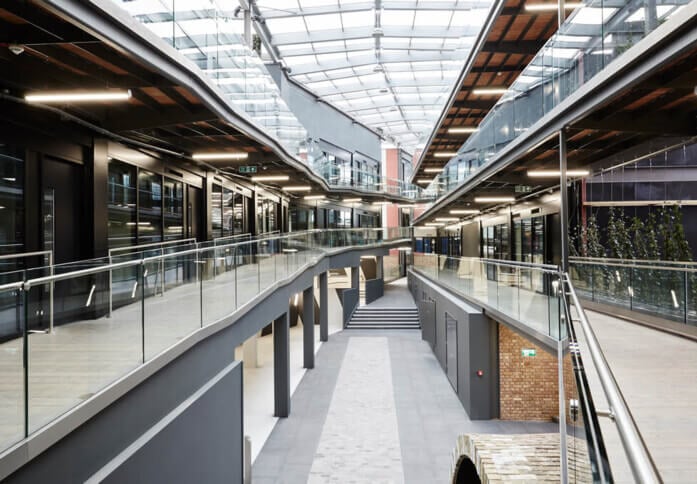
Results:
332 241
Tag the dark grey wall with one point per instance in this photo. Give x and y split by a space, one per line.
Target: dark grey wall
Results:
374 289
477 346
201 443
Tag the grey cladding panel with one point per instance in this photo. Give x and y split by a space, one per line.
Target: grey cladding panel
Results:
427 316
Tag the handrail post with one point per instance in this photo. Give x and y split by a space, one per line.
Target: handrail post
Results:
50 293
111 285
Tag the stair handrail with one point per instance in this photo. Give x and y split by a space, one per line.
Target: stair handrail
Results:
640 461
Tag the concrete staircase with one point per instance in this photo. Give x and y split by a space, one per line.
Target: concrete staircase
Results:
384 318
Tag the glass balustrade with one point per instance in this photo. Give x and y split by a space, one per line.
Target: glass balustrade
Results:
112 318
524 292
663 289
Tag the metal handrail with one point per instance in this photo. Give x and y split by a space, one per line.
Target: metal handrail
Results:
500 262
632 261
51 266
153 244
640 461
635 266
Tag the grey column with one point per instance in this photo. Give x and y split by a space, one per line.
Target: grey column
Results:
379 268
354 277
308 328
281 366
323 309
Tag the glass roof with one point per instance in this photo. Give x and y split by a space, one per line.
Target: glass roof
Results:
391 64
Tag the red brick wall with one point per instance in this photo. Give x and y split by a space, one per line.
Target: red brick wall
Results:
529 386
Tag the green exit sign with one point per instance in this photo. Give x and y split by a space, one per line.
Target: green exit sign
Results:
246 169
528 352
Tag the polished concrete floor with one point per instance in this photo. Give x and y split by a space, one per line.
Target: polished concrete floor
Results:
376 408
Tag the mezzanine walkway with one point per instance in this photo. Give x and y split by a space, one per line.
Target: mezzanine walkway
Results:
657 373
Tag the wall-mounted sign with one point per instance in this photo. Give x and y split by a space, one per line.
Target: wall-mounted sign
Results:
523 189
246 169
528 352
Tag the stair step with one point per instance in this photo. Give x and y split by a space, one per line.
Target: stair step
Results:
382 327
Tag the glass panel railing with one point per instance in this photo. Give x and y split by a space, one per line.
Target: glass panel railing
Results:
160 299
593 36
523 292
663 289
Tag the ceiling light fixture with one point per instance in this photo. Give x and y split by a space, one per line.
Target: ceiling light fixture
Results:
464 211
493 199
78 96
351 200
447 219
297 188
433 170
551 7
462 130
434 224
445 154
220 156
270 178
556 173
423 180
314 197
489 91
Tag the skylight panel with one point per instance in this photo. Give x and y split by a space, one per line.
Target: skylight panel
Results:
404 18
329 21
433 18
277 4
286 25
592 15
333 56
469 18
297 60
639 15
358 19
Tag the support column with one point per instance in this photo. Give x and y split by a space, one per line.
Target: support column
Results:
281 366
355 271
563 203
250 354
379 267
308 328
323 308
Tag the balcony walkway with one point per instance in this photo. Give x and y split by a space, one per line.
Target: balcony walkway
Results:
657 373
376 408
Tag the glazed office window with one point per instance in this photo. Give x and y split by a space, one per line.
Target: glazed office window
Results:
174 209
150 199
121 188
217 211
302 219
11 200
238 211
228 212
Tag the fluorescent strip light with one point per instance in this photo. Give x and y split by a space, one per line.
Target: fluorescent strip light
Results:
381 203
434 224
447 219
556 173
78 97
298 188
314 197
493 199
445 154
351 200
462 130
464 211
220 156
423 180
488 91
551 7
433 170
270 178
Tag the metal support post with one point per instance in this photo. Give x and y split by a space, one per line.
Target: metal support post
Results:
309 328
281 365
323 308
563 462
50 294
